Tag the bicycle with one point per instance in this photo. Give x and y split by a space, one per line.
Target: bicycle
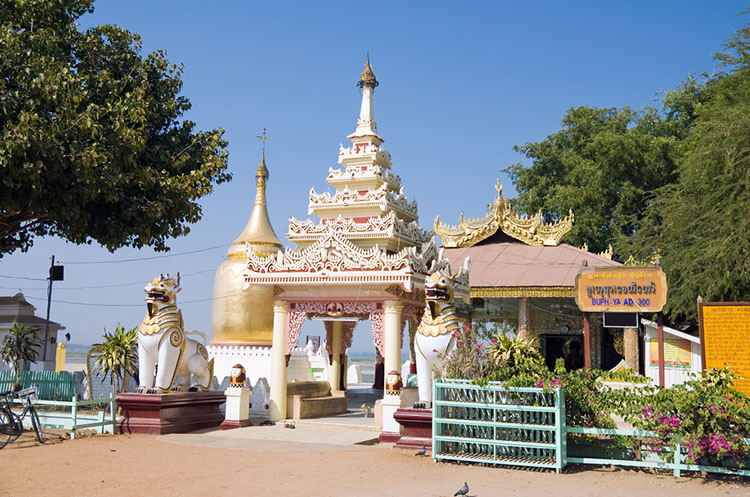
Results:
11 424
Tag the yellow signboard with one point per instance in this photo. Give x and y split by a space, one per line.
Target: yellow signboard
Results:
676 353
725 338
621 289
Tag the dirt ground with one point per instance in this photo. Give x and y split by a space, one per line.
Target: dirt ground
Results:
125 465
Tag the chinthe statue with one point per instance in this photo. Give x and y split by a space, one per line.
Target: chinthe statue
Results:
437 332
162 341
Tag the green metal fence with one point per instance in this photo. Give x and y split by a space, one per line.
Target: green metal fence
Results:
495 425
670 459
73 420
526 427
52 385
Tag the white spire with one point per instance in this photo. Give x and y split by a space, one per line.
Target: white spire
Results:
366 127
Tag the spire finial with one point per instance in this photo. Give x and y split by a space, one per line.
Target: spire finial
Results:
261 174
263 139
367 78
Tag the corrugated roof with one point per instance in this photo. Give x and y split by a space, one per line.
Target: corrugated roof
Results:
16 299
506 263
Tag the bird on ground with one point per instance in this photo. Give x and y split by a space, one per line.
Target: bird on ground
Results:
463 490
422 451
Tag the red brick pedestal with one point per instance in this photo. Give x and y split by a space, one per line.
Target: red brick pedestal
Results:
159 414
417 425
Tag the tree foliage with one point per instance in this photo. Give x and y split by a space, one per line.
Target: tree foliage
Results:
602 164
92 145
20 345
701 223
674 182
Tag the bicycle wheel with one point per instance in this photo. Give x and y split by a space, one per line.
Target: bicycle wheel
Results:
16 428
6 426
36 424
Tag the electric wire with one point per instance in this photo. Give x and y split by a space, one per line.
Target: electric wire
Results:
94 304
138 259
116 285
22 278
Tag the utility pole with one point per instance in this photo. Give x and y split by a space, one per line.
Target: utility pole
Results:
55 274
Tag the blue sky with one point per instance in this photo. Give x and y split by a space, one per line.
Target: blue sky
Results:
461 84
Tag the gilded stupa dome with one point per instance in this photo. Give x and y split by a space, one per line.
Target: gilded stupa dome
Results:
246 316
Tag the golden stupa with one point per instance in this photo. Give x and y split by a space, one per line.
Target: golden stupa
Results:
246 317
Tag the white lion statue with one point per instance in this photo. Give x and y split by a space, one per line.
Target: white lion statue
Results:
162 342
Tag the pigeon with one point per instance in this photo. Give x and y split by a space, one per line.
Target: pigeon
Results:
289 425
463 491
422 451
267 423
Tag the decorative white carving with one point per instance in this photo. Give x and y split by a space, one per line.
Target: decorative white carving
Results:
381 197
387 226
332 254
364 150
368 172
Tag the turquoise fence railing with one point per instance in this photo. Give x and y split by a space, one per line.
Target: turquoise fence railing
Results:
52 385
672 458
73 420
496 425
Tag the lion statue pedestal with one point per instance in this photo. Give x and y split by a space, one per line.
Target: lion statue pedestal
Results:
168 360
162 413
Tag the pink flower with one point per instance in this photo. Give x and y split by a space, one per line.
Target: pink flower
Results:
434 350
454 334
494 340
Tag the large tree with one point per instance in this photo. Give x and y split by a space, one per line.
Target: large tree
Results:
603 163
701 223
93 146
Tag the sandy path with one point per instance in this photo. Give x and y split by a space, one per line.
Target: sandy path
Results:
160 466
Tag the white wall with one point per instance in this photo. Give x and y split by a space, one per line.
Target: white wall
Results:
672 376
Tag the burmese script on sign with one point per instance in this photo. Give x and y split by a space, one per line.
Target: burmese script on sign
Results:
621 289
725 334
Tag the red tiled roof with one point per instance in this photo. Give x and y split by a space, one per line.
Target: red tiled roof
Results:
506 263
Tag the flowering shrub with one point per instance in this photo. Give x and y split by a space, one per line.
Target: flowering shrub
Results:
706 414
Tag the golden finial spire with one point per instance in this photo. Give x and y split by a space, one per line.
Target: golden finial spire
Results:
261 174
367 78
258 231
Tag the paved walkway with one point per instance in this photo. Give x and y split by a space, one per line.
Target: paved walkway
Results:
325 434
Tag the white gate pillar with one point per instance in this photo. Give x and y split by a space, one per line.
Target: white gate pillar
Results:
392 337
277 404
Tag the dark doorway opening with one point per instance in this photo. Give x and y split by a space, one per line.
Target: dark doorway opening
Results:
567 347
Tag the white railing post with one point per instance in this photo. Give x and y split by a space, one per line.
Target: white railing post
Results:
74 415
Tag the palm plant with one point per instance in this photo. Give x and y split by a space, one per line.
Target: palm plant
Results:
117 356
20 345
511 351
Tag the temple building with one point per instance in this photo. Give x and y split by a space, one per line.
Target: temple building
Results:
365 258
524 275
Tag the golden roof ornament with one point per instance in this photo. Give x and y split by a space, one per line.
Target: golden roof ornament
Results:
367 78
531 230
262 171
